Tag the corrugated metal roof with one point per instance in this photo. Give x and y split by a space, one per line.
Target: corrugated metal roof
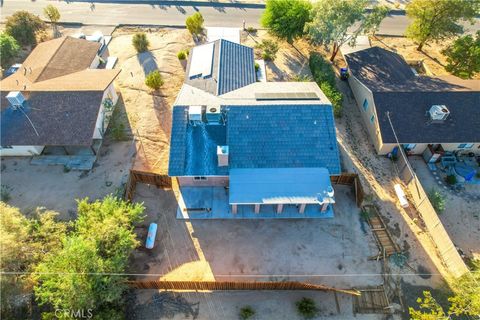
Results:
279 185
282 136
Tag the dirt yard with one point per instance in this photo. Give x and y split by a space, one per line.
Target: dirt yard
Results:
32 186
148 114
458 217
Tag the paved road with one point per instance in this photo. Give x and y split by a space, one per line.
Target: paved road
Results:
165 13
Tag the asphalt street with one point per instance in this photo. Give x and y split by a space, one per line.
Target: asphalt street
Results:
169 13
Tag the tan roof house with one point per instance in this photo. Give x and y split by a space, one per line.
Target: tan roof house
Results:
60 99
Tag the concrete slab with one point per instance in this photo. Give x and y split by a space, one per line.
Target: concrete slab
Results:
212 203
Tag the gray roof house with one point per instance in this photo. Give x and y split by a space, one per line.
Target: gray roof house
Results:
246 149
423 112
56 102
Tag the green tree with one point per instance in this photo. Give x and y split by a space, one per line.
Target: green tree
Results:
437 200
465 301
23 26
194 23
373 20
332 21
463 56
9 49
286 18
140 42
86 272
306 308
246 313
51 13
154 80
435 20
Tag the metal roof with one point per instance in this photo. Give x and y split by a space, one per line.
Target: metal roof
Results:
279 186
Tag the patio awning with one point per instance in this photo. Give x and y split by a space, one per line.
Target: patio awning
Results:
280 186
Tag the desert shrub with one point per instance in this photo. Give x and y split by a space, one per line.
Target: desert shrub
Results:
181 55
306 308
451 179
23 26
257 66
9 48
154 80
246 312
251 30
194 23
140 42
437 200
269 49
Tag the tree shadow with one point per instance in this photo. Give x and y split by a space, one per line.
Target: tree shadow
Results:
148 62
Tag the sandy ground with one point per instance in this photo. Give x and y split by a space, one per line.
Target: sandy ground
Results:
457 218
267 305
329 251
32 186
149 113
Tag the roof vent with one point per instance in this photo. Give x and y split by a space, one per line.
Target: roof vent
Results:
213 115
195 114
222 154
438 113
15 98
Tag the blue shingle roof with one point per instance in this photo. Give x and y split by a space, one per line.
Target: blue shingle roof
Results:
236 67
279 136
282 136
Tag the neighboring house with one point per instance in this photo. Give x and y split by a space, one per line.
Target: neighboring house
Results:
57 100
426 113
272 146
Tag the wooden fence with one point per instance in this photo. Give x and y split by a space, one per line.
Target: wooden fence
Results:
434 227
160 181
235 285
350 179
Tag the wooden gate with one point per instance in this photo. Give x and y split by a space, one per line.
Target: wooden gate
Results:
161 181
350 179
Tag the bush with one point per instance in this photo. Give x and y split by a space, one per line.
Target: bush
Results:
182 55
246 312
451 179
154 80
257 66
140 42
335 97
269 49
51 13
306 307
325 78
251 30
5 193
9 49
23 26
194 23
437 200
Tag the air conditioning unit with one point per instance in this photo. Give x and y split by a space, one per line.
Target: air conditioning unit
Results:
213 114
15 98
438 112
195 114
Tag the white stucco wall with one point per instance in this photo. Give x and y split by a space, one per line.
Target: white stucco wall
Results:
103 117
21 151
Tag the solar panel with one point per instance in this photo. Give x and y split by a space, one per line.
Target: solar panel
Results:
286 96
202 60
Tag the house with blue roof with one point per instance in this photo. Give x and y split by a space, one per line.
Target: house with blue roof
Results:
243 149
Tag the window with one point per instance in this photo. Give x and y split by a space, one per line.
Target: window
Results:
409 146
465 145
372 118
365 105
200 178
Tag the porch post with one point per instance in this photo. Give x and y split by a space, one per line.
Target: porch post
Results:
279 208
257 208
301 209
234 208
